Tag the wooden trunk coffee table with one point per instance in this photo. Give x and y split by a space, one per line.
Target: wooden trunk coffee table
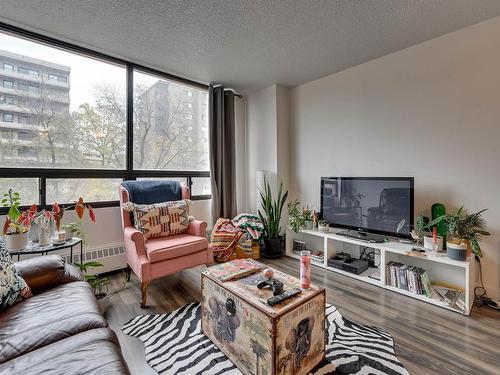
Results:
288 338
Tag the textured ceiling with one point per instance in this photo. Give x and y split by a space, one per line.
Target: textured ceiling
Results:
248 44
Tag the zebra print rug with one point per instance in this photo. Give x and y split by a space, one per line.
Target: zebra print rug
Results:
174 344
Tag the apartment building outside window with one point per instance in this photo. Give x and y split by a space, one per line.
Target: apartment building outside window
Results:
75 115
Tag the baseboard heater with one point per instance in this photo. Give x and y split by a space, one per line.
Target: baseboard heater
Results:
112 257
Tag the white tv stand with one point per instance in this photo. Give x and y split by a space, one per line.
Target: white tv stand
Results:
441 269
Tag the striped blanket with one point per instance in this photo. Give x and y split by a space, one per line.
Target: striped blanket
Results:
224 238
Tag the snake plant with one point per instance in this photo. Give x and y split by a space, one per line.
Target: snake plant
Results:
271 218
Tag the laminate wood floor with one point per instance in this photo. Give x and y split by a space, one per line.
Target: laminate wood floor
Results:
428 339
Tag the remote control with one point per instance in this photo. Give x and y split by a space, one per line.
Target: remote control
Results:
283 296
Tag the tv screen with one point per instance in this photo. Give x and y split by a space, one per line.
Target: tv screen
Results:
372 204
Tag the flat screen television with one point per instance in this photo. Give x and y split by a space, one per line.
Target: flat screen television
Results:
376 205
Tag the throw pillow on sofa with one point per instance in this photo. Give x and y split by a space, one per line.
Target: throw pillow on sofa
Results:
160 219
13 288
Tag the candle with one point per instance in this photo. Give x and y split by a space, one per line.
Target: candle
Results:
434 235
305 269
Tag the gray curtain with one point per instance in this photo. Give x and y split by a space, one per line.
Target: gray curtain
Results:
222 152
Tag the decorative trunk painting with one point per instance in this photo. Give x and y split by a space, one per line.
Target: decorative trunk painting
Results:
287 338
244 337
300 341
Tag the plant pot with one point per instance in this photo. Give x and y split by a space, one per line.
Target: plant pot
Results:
308 224
457 251
272 248
429 243
18 241
323 228
69 234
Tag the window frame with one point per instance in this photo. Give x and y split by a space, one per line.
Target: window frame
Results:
128 173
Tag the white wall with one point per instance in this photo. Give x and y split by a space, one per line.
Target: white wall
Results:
431 111
267 138
261 138
240 114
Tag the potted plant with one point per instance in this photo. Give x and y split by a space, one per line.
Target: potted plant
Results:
99 284
271 218
295 217
323 226
17 223
308 217
73 229
465 231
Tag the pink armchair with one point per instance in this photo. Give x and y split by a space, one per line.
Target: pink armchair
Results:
153 258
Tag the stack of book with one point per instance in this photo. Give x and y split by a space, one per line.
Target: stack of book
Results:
411 278
317 256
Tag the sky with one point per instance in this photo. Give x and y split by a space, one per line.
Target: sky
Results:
85 72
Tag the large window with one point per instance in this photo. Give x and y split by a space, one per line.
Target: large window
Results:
75 122
168 135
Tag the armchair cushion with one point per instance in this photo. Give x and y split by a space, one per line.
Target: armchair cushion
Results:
159 249
160 219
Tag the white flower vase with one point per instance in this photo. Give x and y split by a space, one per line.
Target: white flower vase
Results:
18 241
44 235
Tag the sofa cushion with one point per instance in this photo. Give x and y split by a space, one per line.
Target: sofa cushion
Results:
160 219
53 315
159 249
92 352
13 288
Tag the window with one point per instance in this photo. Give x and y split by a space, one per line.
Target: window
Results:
162 141
201 186
91 189
28 152
8 117
25 136
10 100
26 187
25 119
82 137
34 89
7 66
57 78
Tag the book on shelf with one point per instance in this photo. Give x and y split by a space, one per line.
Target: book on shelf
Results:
410 278
317 256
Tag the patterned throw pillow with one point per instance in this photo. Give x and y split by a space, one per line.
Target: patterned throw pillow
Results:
160 219
13 288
